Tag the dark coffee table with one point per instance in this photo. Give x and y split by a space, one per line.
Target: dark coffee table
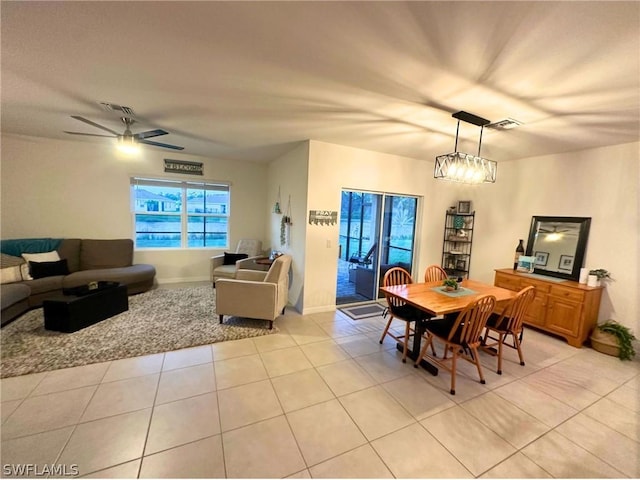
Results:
70 313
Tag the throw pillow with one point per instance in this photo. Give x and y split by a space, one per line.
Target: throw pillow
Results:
48 269
10 261
37 257
10 274
232 258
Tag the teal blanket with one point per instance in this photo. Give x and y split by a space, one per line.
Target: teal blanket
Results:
16 247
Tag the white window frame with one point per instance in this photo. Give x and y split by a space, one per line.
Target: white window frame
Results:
184 214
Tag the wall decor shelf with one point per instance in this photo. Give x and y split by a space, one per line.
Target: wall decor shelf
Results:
457 243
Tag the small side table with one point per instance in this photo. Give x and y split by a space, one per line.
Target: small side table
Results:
266 261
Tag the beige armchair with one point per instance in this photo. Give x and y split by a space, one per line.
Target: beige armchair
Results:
253 248
255 294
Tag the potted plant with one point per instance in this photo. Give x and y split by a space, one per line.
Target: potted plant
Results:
596 276
614 339
450 284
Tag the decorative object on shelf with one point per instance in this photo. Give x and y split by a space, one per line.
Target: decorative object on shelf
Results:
276 207
462 167
452 209
464 207
450 284
457 242
526 264
613 339
597 276
584 275
519 252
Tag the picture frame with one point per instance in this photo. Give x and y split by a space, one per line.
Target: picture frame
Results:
566 262
464 207
541 258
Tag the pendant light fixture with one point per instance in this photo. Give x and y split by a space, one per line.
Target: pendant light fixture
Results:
463 167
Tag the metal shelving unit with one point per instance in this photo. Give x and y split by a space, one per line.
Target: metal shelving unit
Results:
457 243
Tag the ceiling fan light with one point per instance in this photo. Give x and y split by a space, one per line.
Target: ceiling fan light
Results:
128 145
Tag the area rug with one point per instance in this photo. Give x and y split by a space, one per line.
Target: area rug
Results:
358 312
157 321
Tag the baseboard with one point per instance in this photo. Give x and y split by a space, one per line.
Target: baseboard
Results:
323 308
162 281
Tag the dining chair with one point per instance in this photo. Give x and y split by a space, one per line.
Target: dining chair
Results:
508 323
399 309
435 272
460 336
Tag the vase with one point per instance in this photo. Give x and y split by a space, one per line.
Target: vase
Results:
593 281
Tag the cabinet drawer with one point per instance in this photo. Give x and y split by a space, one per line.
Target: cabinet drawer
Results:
567 293
507 281
541 287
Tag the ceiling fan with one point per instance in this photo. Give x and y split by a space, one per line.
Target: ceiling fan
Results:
127 138
555 230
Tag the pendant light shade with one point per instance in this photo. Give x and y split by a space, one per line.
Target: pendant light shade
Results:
463 167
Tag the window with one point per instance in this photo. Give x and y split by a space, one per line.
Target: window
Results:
179 214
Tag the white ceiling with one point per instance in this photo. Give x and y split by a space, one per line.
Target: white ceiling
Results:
246 80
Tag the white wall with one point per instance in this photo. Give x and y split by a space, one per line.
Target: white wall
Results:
289 173
56 188
335 167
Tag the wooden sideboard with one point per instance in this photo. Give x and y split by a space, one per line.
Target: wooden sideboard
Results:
565 308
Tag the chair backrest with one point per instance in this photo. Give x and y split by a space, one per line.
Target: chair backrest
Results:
435 272
249 246
367 257
473 319
279 274
396 276
279 271
513 315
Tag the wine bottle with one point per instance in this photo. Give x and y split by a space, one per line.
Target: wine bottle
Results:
519 251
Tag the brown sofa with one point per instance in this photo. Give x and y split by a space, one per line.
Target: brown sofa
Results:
88 261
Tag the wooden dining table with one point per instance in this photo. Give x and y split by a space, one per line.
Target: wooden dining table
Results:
431 298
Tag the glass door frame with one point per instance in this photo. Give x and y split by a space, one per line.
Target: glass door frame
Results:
384 223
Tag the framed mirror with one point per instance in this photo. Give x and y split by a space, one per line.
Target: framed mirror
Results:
559 245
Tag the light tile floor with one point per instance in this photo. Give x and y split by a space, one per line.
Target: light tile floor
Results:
323 398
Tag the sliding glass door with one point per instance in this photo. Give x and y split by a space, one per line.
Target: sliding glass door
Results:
377 232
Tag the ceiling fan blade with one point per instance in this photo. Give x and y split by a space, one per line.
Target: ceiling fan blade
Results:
90 134
150 133
163 145
82 119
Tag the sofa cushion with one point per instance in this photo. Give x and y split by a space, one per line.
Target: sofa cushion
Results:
98 254
46 284
48 269
10 268
14 293
139 273
37 257
69 249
